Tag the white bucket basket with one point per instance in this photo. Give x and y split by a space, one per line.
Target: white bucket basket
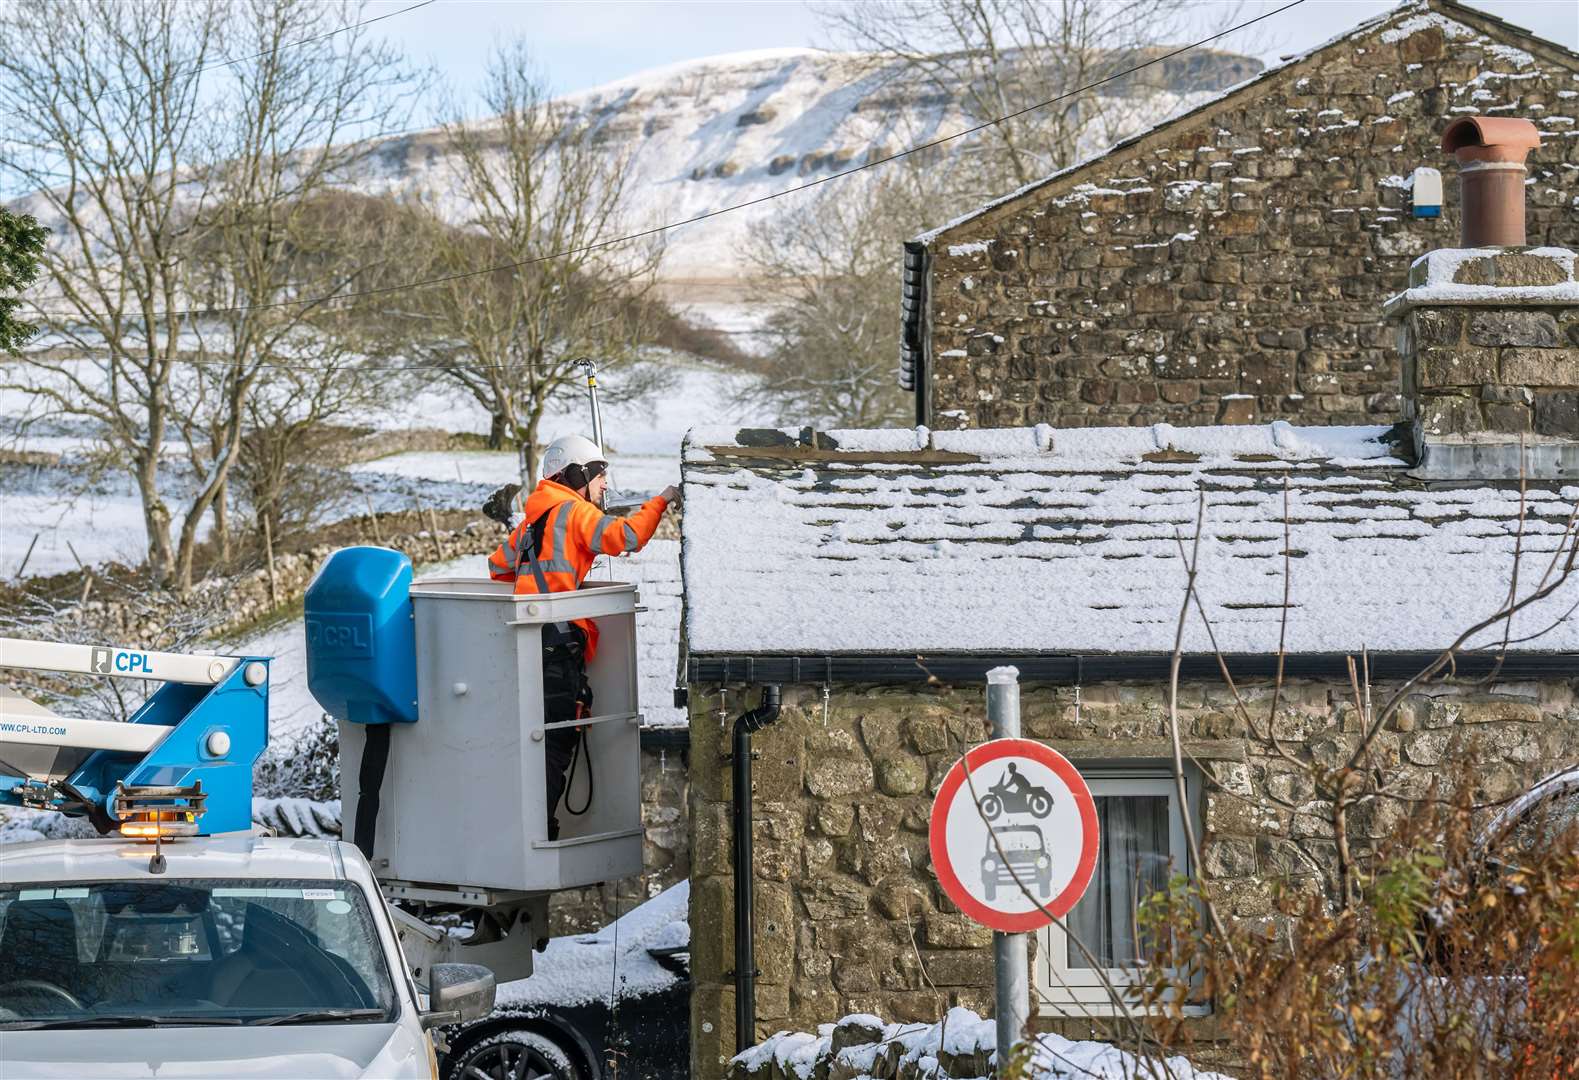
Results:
462 805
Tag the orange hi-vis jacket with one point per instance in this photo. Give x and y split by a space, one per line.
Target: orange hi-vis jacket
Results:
574 533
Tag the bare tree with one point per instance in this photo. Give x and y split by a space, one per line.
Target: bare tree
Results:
295 421
171 197
1417 932
999 57
103 119
262 242
535 181
824 272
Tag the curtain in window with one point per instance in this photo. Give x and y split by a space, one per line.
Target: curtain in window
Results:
1132 863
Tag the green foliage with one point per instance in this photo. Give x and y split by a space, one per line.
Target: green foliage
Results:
21 245
1399 895
1021 1063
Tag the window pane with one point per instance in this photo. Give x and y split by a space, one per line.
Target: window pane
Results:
242 949
1132 863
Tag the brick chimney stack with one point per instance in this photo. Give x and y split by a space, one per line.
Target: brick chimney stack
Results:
1489 333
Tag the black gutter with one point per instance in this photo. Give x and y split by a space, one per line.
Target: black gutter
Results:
745 896
666 738
819 670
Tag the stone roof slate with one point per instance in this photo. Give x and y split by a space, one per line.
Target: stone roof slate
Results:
1037 540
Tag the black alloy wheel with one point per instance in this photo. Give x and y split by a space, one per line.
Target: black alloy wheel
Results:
515 1055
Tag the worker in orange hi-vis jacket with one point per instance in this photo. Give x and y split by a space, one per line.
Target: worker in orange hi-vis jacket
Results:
561 532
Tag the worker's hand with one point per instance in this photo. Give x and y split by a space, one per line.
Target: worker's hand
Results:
670 495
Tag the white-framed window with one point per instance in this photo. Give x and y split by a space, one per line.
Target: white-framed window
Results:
1142 845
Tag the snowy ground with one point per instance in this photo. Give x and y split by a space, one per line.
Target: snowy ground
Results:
99 513
800 1054
583 968
99 519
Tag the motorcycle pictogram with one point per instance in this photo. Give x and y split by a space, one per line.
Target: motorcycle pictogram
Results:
1014 794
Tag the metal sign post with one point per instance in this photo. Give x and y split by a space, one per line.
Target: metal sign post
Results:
1010 954
1014 843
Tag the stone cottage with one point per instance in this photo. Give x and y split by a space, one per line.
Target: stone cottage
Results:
847 591
1227 265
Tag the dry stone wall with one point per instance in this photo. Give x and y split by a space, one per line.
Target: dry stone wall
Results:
237 602
849 915
1231 267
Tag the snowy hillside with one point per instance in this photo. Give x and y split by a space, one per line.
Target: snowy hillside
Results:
710 133
706 134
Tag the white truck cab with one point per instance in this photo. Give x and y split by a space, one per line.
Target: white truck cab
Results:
277 958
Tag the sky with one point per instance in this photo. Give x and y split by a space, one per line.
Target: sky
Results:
585 43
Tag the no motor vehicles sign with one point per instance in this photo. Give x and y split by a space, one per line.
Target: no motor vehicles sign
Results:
1014 817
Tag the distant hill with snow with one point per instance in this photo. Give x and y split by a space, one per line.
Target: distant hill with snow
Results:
728 129
710 133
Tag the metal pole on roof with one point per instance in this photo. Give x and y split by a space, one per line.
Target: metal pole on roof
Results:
1010 952
588 365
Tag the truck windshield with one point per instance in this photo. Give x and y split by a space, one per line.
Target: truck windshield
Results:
203 952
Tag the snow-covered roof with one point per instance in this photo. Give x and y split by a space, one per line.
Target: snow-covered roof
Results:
591 967
1405 19
1035 540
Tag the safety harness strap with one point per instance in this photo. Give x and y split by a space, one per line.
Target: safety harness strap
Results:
534 543
554 633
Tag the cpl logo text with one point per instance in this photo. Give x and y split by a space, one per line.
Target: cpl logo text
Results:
110 661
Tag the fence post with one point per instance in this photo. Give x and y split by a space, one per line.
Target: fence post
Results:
1010 952
268 554
372 515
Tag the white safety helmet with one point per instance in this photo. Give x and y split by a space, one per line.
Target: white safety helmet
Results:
570 450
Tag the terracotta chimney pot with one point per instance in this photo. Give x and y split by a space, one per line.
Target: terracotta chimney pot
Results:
1491 152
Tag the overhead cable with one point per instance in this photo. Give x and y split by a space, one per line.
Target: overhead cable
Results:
759 200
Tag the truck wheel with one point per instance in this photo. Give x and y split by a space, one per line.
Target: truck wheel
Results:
517 1054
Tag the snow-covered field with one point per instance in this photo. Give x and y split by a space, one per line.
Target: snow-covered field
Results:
96 510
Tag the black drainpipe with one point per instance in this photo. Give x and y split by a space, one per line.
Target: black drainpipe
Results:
745 955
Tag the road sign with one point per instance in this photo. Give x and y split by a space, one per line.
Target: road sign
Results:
1014 817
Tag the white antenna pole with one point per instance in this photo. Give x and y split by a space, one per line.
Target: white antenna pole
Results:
587 364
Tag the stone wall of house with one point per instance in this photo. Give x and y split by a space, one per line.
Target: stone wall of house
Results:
849 916
1231 267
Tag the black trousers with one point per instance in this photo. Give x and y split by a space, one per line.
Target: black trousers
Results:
565 695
